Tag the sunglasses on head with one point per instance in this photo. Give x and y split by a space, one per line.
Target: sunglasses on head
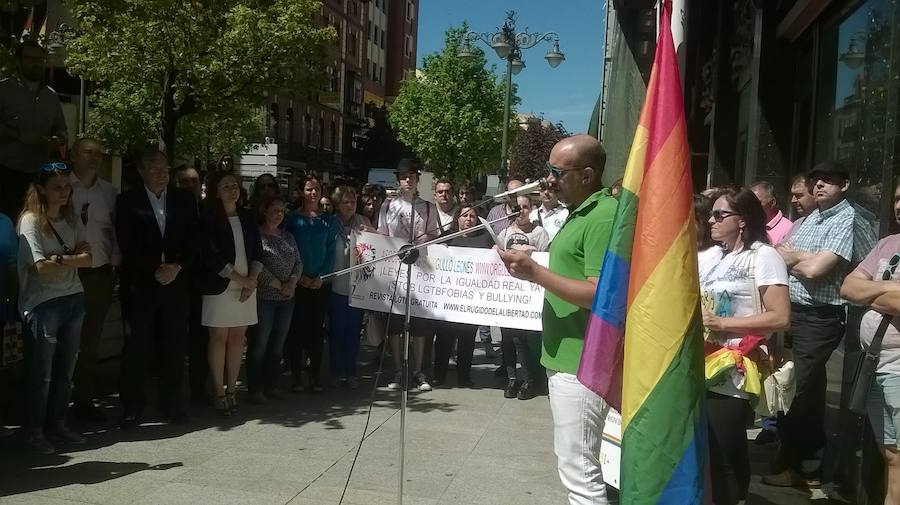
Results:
892 267
54 166
720 215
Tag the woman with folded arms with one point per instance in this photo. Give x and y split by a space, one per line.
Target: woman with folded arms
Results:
52 247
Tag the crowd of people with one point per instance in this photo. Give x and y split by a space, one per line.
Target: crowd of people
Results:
203 268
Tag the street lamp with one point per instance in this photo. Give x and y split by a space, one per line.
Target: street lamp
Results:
56 47
509 44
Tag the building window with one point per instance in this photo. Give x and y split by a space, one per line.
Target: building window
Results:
409 11
352 44
369 29
382 39
334 146
321 133
408 49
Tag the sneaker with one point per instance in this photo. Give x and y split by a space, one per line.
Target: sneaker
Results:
787 478
451 365
353 382
512 389
422 382
396 383
526 391
258 398
39 445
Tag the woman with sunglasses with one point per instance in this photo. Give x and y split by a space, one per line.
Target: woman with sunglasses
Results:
232 249
264 187
875 283
52 247
744 288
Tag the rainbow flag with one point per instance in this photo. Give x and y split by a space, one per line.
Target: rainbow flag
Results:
643 348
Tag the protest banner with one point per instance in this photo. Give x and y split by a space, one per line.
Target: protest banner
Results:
458 284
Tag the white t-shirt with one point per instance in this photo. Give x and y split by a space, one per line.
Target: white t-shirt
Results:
393 220
514 238
731 282
37 244
445 220
550 220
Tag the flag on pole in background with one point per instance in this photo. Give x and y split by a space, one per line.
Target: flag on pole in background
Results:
643 349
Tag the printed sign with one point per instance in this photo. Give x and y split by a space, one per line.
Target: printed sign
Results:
458 284
611 448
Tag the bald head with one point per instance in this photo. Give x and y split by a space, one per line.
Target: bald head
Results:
576 168
581 151
514 184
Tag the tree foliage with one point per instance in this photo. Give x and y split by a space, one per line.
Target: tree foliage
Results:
381 147
192 73
531 148
451 117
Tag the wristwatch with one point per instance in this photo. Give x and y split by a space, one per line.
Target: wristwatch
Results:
57 258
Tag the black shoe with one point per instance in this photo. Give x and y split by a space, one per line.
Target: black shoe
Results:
130 421
526 392
512 389
87 411
766 437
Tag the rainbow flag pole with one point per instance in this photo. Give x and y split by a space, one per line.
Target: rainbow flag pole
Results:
643 347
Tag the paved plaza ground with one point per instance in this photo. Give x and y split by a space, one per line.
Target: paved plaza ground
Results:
464 446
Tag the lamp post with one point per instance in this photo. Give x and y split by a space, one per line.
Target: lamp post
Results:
509 44
56 46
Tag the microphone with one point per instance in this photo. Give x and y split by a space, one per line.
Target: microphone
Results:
528 188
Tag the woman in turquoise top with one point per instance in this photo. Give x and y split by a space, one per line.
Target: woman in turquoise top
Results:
316 235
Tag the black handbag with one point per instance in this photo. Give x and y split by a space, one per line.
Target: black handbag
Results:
864 371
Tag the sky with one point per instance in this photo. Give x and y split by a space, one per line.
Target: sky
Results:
566 93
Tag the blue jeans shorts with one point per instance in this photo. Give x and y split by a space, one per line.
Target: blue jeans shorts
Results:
884 408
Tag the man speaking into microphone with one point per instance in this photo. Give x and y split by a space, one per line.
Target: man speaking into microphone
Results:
576 256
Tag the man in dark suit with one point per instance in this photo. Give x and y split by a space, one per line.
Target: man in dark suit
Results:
157 228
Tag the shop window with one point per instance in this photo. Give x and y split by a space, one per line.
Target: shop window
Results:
852 110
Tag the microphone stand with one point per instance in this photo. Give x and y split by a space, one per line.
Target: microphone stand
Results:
408 255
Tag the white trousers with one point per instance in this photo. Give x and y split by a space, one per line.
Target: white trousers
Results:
578 418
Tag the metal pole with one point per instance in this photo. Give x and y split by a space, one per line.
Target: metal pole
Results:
404 367
503 144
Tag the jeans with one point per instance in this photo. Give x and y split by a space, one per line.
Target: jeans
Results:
578 419
52 335
527 346
306 336
815 332
729 458
267 344
484 333
447 334
343 344
98 293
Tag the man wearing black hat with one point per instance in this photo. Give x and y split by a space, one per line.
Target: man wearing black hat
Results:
414 220
818 254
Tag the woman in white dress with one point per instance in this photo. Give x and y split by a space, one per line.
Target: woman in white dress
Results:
231 263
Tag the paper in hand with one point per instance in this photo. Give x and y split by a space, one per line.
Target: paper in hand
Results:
493 235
